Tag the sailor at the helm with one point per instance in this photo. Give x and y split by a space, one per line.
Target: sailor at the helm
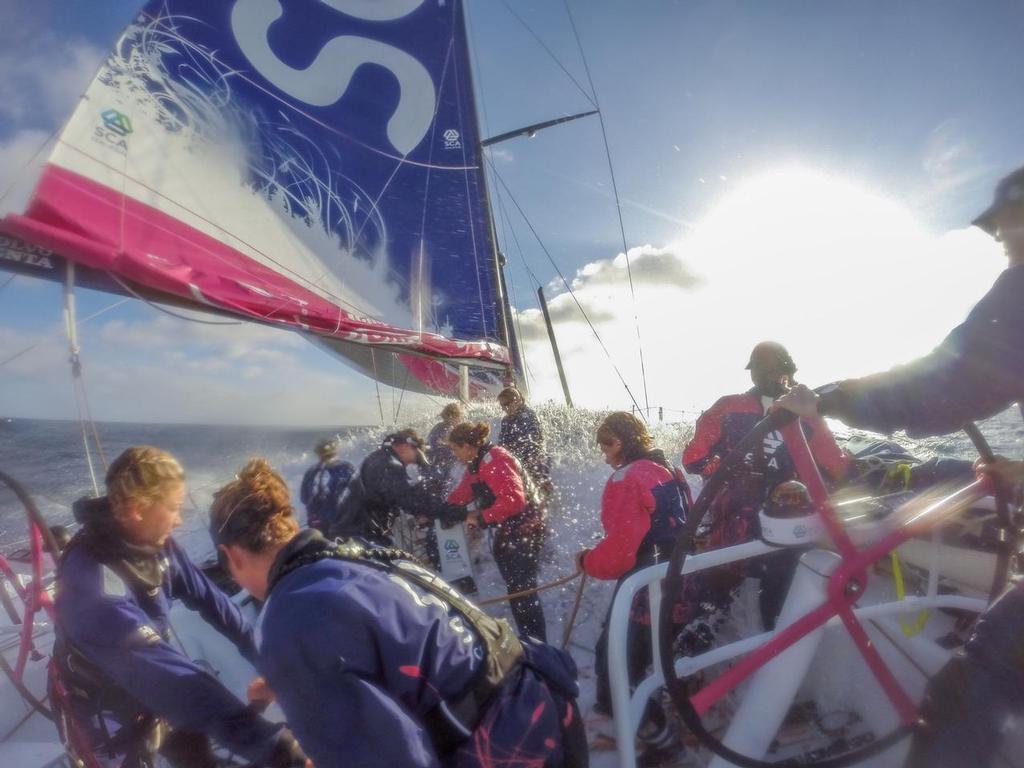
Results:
130 690
976 372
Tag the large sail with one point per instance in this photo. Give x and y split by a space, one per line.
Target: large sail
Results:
313 164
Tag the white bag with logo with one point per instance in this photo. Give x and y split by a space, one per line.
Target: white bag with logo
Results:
451 545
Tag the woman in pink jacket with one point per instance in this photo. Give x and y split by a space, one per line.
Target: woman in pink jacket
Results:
495 492
643 508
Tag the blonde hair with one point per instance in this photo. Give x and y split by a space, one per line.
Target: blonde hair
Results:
451 411
143 474
254 510
470 434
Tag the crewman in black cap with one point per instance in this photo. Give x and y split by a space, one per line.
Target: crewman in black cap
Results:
383 488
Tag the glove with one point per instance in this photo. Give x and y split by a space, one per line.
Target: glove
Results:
580 557
287 753
483 496
451 515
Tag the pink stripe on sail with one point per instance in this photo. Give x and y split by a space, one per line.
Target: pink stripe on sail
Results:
97 226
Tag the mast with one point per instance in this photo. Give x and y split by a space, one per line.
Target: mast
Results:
501 299
554 346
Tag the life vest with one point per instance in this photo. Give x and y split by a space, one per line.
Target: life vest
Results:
448 725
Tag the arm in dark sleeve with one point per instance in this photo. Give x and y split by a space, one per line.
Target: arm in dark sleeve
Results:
413 498
306 490
976 372
115 634
191 586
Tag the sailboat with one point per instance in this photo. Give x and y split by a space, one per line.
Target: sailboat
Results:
316 169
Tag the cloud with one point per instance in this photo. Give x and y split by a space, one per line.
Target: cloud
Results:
43 79
647 264
847 278
161 369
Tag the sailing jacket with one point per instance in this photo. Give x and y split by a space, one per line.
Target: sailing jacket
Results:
376 495
386 660
113 642
521 434
976 372
720 428
642 509
501 475
442 459
321 489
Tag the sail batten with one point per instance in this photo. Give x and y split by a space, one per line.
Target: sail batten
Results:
305 164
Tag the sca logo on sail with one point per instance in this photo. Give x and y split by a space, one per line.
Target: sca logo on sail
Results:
113 130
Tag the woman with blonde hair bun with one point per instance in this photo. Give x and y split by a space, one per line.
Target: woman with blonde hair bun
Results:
376 661
127 683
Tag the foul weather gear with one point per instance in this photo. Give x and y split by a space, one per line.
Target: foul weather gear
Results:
496 485
397 675
642 510
376 495
114 654
321 490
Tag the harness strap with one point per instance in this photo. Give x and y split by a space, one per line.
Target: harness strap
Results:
453 720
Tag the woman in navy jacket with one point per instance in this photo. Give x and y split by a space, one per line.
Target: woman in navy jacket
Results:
377 662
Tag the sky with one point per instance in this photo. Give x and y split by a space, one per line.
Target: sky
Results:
801 171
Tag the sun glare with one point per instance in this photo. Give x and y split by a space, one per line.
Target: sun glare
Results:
844 276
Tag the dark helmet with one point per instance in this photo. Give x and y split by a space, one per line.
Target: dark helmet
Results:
1009 191
771 354
789 499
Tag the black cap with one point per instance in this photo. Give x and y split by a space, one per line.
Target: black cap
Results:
771 353
407 437
1009 191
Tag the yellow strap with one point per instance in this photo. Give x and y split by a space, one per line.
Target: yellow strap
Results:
909 629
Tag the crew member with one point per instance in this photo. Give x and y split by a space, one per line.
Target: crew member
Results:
975 373
400 669
521 435
643 509
130 690
383 489
733 512
496 492
323 485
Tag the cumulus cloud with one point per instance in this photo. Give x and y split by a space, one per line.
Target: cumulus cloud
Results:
43 78
647 264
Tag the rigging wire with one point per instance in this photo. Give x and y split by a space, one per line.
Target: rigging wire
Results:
568 287
550 53
7 282
376 383
29 348
170 312
615 191
507 228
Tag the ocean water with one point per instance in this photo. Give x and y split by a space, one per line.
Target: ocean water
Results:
48 459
